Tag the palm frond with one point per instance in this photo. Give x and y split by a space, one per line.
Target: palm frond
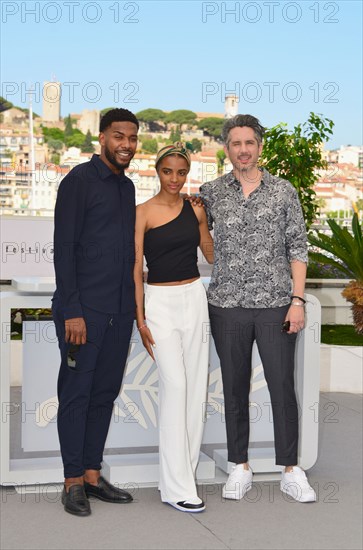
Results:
322 259
357 231
343 246
329 244
342 235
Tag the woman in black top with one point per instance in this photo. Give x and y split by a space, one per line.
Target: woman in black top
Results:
168 232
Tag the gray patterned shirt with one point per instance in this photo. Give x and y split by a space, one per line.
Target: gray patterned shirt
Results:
255 240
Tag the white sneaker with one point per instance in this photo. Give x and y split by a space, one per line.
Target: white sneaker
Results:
296 485
238 483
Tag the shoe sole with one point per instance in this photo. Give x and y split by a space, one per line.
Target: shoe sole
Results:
90 495
189 510
79 514
286 491
233 495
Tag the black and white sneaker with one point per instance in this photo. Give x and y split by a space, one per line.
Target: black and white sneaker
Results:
193 505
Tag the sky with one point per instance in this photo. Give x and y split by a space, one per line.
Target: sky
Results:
283 59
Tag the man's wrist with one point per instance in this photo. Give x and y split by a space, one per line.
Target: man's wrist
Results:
299 298
72 311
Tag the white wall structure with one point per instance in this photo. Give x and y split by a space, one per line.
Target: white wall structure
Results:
230 106
134 422
203 167
341 368
351 154
16 193
90 120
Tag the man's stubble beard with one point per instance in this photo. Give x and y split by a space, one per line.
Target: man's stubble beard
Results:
245 169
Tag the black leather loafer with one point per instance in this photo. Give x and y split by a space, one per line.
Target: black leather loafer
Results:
75 501
107 492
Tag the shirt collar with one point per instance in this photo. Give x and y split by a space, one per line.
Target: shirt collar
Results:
103 170
231 179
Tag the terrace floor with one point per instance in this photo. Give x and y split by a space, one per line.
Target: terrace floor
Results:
264 519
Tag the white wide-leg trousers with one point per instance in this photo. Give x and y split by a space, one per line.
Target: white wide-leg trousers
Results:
178 320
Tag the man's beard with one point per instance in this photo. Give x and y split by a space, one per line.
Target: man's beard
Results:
246 167
112 159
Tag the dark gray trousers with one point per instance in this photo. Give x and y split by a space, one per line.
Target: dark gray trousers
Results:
234 331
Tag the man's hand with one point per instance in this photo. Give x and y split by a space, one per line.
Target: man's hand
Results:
76 332
196 201
296 316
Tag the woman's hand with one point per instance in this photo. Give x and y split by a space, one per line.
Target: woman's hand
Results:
296 316
147 339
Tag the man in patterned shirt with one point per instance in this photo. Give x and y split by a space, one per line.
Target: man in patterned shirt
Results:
259 244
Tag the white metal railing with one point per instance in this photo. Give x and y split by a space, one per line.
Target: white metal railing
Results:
321 224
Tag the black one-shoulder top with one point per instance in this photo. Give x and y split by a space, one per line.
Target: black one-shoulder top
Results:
171 249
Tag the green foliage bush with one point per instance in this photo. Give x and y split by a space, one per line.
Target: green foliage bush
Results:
297 156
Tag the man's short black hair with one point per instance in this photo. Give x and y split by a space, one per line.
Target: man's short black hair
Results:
117 115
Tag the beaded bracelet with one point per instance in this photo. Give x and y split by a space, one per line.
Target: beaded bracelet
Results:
142 326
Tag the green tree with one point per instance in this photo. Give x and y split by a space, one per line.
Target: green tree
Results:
221 156
55 158
87 145
149 145
52 133
196 145
55 145
151 115
68 126
154 118
181 116
212 126
75 140
297 156
175 136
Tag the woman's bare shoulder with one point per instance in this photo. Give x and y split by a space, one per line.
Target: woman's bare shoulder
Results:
143 208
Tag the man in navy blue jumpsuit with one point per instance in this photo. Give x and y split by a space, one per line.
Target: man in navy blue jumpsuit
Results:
93 305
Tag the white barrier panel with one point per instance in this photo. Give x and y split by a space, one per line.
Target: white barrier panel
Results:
26 246
134 422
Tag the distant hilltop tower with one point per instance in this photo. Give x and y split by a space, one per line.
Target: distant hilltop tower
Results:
51 101
230 106
90 120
